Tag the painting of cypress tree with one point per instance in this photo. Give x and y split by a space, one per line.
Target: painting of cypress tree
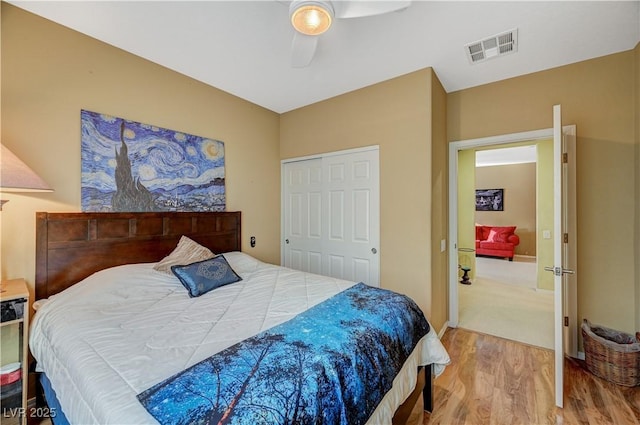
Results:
131 195
129 166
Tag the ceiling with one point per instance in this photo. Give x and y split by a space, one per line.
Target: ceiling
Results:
243 47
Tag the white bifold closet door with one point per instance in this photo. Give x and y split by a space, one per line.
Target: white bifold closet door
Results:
331 215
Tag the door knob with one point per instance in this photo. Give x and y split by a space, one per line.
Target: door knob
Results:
558 271
286 241
373 250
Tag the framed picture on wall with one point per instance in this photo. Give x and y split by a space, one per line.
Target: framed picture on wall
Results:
130 166
489 199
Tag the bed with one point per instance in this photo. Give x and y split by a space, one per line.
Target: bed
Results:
112 332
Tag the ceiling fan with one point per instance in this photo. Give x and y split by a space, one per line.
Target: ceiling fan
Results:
311 18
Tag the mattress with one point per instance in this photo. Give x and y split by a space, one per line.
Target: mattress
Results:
125 329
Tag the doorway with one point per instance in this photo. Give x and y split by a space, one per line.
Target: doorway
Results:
461 231
562 244
503 298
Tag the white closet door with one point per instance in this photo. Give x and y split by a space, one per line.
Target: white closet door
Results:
352 218
332 219
303 215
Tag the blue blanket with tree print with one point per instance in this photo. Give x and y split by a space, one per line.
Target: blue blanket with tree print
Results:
331 364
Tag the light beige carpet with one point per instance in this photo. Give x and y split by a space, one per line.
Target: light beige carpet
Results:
514 311
521 271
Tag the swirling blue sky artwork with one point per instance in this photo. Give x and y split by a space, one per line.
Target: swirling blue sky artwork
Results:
129 166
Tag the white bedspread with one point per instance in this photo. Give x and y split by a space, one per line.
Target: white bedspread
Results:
124 329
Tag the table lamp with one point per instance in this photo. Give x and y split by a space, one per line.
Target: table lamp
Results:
16 176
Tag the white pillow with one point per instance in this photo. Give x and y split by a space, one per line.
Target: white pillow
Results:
186 252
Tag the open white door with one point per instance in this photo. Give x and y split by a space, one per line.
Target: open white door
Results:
561 249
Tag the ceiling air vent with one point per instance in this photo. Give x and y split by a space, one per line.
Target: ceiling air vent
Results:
492 47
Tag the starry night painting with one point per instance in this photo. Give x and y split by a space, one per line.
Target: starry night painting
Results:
128 166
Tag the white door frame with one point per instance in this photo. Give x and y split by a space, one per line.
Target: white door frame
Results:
454 148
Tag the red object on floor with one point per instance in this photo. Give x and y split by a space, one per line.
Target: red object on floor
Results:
496 241
10 377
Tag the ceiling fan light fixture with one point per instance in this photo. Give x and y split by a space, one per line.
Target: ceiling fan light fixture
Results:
311 17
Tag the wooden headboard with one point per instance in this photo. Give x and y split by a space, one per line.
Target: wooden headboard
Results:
72 246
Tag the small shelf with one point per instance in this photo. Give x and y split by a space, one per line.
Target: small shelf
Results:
14 300
11 322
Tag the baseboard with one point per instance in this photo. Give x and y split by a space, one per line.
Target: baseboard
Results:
545 291
443 329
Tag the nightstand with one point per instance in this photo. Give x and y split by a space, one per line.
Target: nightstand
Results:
14 326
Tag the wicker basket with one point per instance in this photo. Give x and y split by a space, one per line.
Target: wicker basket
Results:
612 355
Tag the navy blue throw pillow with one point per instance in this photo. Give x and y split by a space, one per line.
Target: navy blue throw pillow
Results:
203 276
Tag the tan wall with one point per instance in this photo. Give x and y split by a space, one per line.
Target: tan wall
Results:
596 97
519 184
439 205
396 115
637 165
50 73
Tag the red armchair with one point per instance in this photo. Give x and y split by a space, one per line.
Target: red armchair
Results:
496 241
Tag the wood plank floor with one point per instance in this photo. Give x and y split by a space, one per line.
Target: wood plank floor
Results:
496 381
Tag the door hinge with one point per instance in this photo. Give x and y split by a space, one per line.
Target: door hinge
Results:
565 158
565 238
566 320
